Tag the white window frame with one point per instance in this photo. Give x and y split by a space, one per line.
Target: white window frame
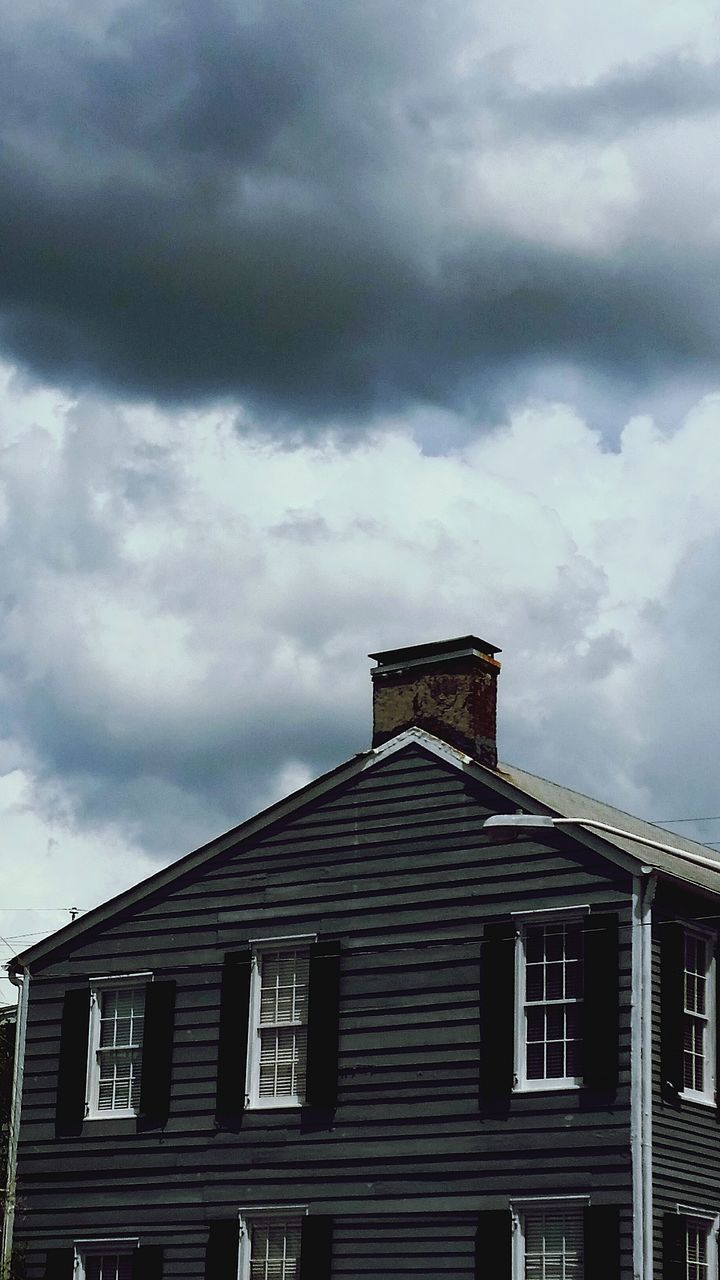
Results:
248 1215
706 1095
111 982
519 1210
82 1248
259 946
523 921
711 1223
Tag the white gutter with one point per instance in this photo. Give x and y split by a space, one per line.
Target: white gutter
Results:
21 980
530 821
646 1059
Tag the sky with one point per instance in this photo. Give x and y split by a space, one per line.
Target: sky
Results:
327 328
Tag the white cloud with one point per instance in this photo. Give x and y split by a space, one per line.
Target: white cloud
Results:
571 43
188 610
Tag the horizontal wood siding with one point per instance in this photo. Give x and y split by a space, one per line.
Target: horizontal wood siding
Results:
397 867
686 1136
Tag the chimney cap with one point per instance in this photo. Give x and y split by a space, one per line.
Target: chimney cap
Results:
426 654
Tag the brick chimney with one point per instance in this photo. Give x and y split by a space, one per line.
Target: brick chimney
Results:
448 688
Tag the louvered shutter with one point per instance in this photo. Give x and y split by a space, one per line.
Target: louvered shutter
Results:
323 1024
672 969
493 1245
601 1002
147 1262
316 1247
157 1051
59 1264
233 1034
221 1254
602 1242
497 1010
674 1235
72 1065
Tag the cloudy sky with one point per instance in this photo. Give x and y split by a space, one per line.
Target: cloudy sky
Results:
327 327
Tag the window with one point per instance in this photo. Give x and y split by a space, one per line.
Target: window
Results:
698 1018
548 1242
270 1245
277 1044
700 1249
117 1015
104 1259
548 1032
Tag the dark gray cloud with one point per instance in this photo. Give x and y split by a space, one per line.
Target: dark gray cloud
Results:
200 200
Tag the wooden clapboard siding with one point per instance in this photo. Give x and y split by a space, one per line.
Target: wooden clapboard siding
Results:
397 866
686 1135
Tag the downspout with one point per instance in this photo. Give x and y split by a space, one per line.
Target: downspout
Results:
22 981
636 1090
647 1064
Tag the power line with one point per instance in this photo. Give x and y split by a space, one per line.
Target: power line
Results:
712 818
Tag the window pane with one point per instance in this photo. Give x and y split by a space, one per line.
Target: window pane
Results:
535 982
554 981
534 945
554 940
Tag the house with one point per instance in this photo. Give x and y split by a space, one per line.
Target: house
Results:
366 1035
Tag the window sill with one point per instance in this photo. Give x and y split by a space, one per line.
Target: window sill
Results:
110 1115
699 1099
548 1086
279 1104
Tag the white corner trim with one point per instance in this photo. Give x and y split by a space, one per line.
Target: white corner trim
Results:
23 980
648 896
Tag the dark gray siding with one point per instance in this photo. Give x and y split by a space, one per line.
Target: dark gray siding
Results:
686 1135
398 867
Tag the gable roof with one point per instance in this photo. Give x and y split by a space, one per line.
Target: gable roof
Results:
521 790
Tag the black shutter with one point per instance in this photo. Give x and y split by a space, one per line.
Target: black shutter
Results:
674 1240
221 1254
672 967
601 1224
232 1048
323 1024
716 956
316 1247
497 1010
60 1263
601 1002
72 1066
493 1245
157 1051
147 1262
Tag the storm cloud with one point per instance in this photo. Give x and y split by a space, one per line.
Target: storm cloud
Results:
331 212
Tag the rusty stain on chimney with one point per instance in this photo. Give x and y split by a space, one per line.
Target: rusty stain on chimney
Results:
448 688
